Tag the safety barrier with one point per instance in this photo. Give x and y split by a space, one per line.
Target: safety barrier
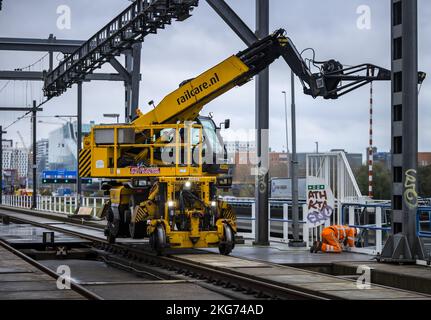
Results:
58 204
373 222
284 226
423 222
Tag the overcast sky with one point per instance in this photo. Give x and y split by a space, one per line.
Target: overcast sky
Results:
185 49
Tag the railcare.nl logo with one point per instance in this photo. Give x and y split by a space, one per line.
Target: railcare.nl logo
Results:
188 94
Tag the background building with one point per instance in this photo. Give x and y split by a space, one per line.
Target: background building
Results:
385 158
15 165
62 153
424 159
240 146
42 147
6 143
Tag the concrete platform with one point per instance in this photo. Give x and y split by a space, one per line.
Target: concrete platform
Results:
116 284
21 280
283 254
408 277
329 286
28 236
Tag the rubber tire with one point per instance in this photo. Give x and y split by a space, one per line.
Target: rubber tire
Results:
138 230
124 226
226 246
112 226
111 239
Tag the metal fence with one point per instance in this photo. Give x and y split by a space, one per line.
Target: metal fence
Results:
59 204
374 222
281 229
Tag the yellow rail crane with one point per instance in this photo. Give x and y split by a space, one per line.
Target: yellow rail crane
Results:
164 168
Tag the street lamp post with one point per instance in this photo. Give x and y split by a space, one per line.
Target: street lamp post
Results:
287 134
34 164
317 146
295 242
1 163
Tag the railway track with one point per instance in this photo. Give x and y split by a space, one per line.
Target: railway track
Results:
233 277
221 277
73 285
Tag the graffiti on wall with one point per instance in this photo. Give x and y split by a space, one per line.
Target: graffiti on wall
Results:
410 193
320 202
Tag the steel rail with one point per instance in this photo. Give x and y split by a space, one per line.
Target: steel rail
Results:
224 277
75 286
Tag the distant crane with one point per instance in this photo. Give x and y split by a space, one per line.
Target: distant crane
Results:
22 141
28 155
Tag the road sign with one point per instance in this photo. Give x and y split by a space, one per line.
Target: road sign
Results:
66 181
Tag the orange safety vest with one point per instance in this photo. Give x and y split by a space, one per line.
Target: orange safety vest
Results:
343 232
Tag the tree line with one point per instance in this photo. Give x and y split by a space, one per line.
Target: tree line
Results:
382 181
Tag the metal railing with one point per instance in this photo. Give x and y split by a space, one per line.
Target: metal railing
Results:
423 222
374 223
334 168
284 225
281 228
59 204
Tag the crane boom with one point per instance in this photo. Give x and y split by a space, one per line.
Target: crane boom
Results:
186 102
22 141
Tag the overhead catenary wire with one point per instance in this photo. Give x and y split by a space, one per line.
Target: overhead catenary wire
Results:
27 113
24 68
28 67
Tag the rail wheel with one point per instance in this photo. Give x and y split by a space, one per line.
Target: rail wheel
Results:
138 229
158 239
228 243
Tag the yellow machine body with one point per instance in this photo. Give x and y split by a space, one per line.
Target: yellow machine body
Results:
134 152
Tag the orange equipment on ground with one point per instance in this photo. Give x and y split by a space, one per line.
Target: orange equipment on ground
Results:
334 236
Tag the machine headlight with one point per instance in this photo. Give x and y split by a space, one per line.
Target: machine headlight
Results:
171 204
187 185
213 204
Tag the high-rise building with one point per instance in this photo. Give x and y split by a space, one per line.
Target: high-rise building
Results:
62 153
7 143
42 147
16 158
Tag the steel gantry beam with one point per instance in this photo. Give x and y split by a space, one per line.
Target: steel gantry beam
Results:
40 76
45 45
230 17
262 107
50 45
133 66
141 18
19 109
